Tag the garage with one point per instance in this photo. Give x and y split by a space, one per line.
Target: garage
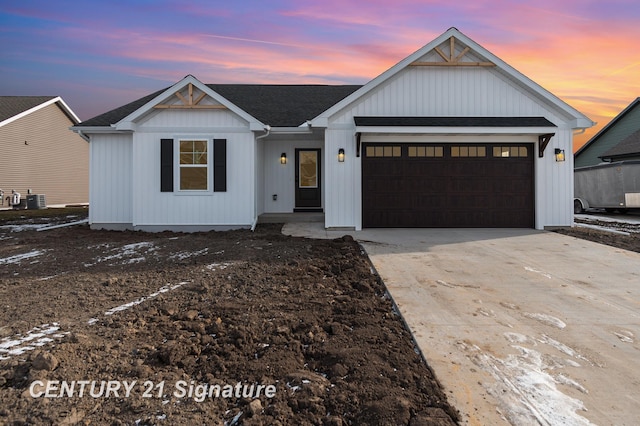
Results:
447 185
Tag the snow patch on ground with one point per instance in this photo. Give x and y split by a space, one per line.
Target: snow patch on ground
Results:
127 254
546 319
601 228
126 306
544 274
142 299
526 392
220 266
24 227
34 338
20 257
185 254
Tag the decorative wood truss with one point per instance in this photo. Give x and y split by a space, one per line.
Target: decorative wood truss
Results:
452 60
189 102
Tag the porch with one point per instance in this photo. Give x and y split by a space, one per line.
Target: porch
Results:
297 217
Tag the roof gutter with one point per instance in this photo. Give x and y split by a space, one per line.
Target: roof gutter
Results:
267 130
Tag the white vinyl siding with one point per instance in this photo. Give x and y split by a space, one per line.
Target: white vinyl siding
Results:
448 91
111 177
279 179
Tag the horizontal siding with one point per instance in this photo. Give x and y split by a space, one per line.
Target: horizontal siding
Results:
54 161
613 136
111 179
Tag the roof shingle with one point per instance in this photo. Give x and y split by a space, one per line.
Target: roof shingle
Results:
10 106
275 105
629 146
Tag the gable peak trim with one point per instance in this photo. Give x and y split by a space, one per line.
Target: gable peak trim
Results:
189 102
453 58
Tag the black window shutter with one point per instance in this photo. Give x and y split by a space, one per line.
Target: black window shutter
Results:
220 165
166 165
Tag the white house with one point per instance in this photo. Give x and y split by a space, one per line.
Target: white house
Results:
451 136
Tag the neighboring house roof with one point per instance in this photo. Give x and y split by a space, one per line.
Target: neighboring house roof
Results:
628 147
579 120
455 121
15 107
275 105
607 135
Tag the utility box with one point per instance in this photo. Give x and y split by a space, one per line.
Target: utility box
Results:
36 201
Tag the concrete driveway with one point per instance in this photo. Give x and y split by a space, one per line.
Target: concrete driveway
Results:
520 326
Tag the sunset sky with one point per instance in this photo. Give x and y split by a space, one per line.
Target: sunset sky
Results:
99 55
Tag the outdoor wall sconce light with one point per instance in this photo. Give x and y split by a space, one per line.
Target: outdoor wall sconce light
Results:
559 154
283 158
341 155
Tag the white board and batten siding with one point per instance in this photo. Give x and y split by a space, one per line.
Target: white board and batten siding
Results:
279 179
111 194
450 91
149 208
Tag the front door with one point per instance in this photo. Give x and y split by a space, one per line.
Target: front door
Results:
308 180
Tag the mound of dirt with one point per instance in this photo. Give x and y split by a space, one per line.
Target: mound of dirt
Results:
211 328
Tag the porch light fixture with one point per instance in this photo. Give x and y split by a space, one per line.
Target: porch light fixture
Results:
559 154
283 158
341 155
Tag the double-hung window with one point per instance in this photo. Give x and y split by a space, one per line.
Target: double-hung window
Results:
194 165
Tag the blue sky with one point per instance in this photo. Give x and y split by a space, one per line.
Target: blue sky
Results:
99 55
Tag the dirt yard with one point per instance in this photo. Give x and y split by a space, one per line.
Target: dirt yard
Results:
629 242
210 328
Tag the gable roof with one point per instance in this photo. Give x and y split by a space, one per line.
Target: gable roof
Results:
609 125
274 105
579 119
14 107
629 146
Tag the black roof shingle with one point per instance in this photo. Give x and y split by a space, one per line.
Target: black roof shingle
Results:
629 146
275 105
10 106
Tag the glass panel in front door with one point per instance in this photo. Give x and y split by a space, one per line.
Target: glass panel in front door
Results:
308 169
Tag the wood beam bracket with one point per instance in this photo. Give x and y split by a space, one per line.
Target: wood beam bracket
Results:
543 141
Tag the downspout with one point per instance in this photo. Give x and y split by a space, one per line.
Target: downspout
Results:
267 130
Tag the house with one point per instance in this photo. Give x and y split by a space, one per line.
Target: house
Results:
627 149
451 136
618 140
39 153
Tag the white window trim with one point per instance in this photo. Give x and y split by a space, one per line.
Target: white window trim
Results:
176 165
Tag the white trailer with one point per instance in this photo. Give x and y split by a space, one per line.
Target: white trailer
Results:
609 186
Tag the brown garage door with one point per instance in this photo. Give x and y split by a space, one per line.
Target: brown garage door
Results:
447 185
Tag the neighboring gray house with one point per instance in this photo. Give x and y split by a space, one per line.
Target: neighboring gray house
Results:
40 153
451 136
618 140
